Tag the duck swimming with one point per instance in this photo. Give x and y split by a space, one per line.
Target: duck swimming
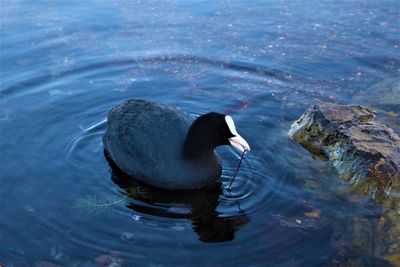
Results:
166 147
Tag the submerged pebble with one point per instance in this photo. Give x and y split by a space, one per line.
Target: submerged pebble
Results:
126 236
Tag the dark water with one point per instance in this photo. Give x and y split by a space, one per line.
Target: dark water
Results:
64 64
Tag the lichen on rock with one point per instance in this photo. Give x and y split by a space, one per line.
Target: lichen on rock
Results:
363 151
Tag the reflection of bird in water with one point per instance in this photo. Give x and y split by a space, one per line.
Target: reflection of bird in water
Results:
200 206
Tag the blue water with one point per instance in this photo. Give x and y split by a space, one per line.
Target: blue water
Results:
64 64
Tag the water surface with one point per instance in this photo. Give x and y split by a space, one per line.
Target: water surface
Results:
64 64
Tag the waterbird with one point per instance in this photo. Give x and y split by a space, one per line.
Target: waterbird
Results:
164 146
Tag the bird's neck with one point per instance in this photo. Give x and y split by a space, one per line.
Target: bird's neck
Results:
196 148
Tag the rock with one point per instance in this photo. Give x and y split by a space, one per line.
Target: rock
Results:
104 260
385 94
363 151
366 153
109 260
126 236
313 214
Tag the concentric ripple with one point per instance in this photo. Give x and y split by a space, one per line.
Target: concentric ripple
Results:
103 211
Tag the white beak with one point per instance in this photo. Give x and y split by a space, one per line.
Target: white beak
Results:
237 141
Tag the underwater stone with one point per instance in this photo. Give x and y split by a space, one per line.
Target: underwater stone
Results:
363 151
384 94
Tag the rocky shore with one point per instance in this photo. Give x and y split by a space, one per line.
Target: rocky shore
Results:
364 152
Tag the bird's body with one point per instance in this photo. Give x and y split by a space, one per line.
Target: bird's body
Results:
145 140
161 145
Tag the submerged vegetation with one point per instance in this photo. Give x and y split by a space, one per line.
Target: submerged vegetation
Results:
95 204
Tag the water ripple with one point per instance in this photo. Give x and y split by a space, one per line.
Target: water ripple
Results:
239 66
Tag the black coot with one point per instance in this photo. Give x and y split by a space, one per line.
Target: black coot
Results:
165 147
